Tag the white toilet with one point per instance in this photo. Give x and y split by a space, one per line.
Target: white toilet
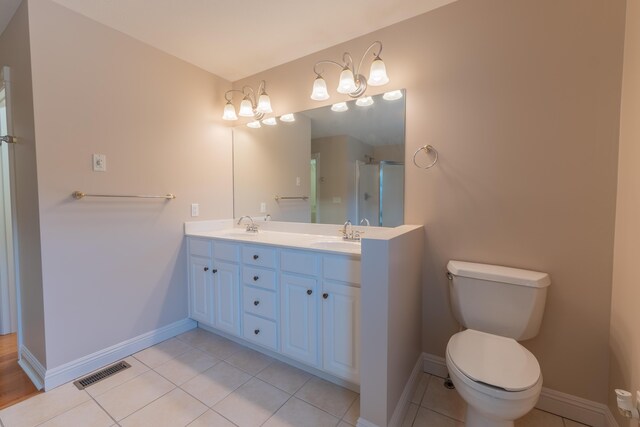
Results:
498 378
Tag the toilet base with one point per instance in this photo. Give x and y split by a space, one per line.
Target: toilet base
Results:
477 419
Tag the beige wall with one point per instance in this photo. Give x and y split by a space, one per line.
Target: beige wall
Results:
521 100
624 343
15 52
115 269
266 162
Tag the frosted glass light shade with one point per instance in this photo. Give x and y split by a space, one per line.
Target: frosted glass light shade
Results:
392 96
347 83
271 121
264 104
364 102
229 112
378 73
339 107
246 109
319 92
254 125
288 117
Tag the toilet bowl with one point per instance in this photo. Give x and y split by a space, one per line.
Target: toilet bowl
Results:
499 379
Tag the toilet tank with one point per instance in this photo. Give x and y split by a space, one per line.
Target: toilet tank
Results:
499 300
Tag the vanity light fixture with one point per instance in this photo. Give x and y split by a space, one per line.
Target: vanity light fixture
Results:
254 124
250 106
392 96
288 118
271 121
340 107
352 82
364 102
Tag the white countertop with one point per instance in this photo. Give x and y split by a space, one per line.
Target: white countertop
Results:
312 242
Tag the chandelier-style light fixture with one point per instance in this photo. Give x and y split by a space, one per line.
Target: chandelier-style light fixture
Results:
250 106
352 82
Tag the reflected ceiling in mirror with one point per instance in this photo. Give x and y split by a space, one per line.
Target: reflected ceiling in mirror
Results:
325 166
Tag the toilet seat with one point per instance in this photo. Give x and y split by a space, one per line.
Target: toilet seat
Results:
493 360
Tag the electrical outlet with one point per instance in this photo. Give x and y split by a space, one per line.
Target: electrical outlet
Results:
99 163
298 181
263 207
195 209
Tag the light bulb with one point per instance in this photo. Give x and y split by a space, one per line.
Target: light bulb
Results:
347 83
271 121
254 125
319 92
264 104
339 107
392 96
364 102
378 73
246 109
229 112
288 117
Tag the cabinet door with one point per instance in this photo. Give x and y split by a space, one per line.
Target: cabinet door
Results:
299 318
200 290
226 296
341 330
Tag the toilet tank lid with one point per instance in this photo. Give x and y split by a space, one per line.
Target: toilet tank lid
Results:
498 273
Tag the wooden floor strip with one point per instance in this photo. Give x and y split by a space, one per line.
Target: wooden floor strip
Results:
15 385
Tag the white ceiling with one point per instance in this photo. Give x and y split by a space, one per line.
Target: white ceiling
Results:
7 9
238 38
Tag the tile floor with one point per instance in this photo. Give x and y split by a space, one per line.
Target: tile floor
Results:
200 379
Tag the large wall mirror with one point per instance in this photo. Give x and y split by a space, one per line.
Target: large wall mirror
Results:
325 166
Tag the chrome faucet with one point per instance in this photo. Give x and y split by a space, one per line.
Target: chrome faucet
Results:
252 227
366 222
348 233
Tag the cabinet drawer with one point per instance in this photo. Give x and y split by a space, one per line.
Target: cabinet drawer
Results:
259 255
200 247
259 277
226 251
341 268
260 331
299 262
259 302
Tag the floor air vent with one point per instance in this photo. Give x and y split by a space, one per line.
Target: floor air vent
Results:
105 373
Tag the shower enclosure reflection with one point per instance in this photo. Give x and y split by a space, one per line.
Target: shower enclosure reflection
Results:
348 165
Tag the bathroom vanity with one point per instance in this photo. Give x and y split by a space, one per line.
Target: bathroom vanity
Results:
294 294
349 312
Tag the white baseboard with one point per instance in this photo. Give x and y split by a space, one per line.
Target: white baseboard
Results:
70 371
32 367
405 397
562 404
435 365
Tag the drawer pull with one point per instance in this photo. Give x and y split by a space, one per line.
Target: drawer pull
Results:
325 295
214 271
257 331
206 269
256 303
255 278
256 256
309 291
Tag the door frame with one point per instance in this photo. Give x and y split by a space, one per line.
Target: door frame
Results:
10 284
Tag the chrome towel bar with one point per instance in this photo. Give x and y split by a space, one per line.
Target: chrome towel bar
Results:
278 198
79 195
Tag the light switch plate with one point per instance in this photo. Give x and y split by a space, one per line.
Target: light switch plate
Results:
263 207
99 163
195 209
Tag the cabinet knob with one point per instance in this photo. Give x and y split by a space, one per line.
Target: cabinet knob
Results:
256 302
325 295
206 269
214 271
255 278
257 331
256 256
309 291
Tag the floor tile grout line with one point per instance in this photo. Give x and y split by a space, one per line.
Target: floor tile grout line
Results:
105 411
440 413
141 408
63 412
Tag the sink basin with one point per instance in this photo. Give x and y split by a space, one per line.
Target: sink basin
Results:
340 245
239 233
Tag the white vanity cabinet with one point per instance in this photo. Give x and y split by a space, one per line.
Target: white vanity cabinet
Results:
301 304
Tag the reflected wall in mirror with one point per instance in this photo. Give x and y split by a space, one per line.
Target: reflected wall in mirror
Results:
325 166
